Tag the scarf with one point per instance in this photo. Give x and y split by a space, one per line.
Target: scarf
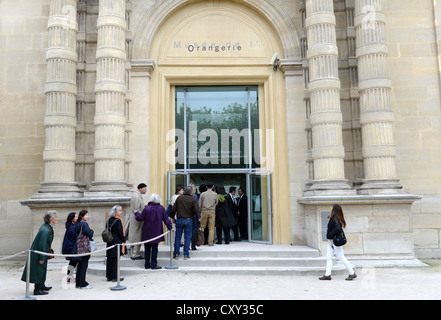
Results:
124 233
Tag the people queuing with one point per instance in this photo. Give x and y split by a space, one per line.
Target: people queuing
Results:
185 208
117 229
38 262
69 244
82 228
207 203
242 212
224 216
153 215
134 227
189 211
196 219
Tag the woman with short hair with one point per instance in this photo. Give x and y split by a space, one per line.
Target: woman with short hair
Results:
116 227
153 216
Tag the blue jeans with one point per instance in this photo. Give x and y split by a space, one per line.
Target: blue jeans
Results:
183 225
193 231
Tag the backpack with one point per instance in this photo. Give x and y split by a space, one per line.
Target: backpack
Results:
107 233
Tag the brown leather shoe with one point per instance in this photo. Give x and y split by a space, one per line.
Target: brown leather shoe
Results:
351 276
325 277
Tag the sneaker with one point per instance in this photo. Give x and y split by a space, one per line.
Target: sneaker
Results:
325 277
175 257
187 257
351 276
89 286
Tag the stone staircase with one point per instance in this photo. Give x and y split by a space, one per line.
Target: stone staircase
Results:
235 258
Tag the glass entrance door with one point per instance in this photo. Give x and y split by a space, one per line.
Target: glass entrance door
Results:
176 179
259 207
256 187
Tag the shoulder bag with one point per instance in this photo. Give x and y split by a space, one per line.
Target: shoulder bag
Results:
199 237
107 233
83 243
340 239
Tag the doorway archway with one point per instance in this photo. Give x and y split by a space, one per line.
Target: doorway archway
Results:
215 43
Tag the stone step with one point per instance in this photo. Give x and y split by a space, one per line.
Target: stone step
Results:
235 258
232 262
100 269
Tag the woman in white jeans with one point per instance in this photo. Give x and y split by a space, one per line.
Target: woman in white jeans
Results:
335 226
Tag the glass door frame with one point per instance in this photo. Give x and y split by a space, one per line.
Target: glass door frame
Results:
249 174
170 192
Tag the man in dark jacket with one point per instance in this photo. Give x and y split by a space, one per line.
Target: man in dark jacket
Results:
231 201
185 207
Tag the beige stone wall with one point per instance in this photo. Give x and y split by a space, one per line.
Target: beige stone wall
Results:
412 36
414 68
23 43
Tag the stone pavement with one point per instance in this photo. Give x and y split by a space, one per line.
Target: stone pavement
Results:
372 284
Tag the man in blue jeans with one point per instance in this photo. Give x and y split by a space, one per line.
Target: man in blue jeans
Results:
185 208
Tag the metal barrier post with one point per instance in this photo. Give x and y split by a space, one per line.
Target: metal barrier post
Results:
28 276
171 266
118 287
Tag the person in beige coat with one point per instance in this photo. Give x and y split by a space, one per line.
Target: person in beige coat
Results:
135 227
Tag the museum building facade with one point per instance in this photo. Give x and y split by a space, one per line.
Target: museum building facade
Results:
301 104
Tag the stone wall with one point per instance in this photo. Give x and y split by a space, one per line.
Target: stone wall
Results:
23 44
413 38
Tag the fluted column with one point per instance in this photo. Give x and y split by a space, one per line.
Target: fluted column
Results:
376 115
324 88
61 91
110 90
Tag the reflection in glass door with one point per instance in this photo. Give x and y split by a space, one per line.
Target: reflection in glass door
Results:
259 204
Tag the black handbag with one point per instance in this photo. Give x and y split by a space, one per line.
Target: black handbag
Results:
340 239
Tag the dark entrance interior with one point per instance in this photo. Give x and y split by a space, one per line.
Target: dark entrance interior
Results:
256 187
227 180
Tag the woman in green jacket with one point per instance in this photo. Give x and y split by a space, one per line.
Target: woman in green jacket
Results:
42 242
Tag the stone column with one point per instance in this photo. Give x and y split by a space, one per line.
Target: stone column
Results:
110 90
376 115
61 91
324 89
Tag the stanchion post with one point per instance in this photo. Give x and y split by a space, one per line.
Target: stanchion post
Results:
171 266
118 287
28 277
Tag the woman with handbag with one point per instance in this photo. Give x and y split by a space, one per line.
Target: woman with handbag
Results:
336 240
84 236
117 229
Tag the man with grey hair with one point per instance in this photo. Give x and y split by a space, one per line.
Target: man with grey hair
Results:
185 207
